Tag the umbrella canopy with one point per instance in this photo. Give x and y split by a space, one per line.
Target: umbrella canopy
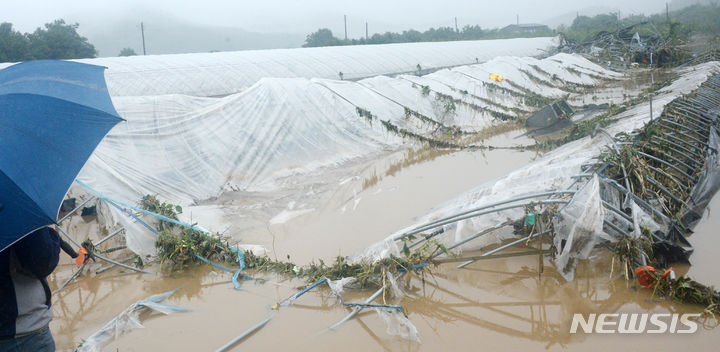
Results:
52 116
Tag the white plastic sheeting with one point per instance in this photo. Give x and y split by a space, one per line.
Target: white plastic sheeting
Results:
188 149
138 238
579 227
338 286
398 324
225 73
551 172
241 141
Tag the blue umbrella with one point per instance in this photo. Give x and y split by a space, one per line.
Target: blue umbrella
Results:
52 116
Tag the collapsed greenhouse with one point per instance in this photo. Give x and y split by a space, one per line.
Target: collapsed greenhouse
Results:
274 151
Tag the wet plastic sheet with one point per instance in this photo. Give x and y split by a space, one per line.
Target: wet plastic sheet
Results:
188 148
225 73
707 185
278 128
338 286
138 238
578 227
398 324
553 171
127 320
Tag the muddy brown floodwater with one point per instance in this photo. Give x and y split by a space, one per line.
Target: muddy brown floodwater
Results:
499 304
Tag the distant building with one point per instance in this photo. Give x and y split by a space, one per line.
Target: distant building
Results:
525 28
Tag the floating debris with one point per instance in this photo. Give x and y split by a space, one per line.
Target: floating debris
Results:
128 320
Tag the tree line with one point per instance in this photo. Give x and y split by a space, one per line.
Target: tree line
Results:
60 40
678 24
325 37
56 40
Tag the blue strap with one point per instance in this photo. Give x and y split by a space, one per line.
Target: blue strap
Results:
289 301
241 260
122 207
134 217
309 288
414 267
161 217
213 264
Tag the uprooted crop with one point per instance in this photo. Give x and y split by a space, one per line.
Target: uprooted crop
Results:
687 290
629 249
367 273
179 247
683 289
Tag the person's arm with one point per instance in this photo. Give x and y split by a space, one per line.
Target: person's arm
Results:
39 252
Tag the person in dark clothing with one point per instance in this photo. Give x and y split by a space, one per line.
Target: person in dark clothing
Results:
25 310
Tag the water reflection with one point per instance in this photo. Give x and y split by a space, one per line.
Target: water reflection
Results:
502 298
519 303
91 299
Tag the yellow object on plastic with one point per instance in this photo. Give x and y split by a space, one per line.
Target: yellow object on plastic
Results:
496 77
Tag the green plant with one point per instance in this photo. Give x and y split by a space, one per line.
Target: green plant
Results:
138 261
365 113
367 273
179 246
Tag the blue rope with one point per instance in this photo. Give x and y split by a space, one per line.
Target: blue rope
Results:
259 325
134 217
289 301
387 307
241 260
414 267
122 207
161 217
309 288
213 264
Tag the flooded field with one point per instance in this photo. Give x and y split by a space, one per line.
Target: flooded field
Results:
707 246
431 189
382 199
501 304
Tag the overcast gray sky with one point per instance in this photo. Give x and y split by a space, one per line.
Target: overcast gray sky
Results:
302 16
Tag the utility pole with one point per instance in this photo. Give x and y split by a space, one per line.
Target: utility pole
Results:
366 32
345 18
142 33
456 27
518 19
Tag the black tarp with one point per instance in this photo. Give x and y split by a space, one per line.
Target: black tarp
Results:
707 185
